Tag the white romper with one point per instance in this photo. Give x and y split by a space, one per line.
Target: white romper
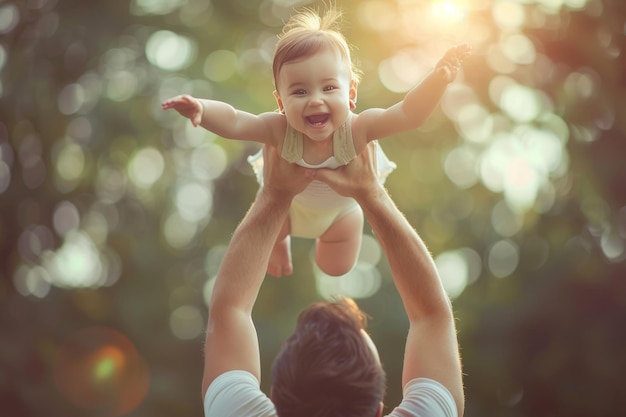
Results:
316 208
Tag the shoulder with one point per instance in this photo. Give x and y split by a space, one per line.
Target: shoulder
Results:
360 125
276 124
237 393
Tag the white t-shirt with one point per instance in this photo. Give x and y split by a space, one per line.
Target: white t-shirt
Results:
238 394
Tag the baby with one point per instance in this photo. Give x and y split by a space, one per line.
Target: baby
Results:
316 90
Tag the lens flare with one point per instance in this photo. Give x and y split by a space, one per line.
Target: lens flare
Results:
99 369
449 11
108 362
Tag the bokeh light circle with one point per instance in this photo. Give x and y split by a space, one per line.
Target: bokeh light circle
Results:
99 369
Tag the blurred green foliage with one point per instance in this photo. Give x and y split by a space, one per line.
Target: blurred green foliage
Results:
114 214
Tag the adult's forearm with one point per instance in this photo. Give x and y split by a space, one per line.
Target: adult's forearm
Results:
245 263
231 341
412 266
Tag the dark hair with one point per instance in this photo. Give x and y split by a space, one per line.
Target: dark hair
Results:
326 368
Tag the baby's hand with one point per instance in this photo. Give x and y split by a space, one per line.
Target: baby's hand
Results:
449 65
187 106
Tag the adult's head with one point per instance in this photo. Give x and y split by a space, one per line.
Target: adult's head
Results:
329 366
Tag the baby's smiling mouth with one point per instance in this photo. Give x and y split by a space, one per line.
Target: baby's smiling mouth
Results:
318 119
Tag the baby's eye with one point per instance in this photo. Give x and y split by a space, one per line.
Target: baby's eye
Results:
329 88
299 92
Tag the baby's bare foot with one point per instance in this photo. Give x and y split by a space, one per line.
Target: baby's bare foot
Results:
280 259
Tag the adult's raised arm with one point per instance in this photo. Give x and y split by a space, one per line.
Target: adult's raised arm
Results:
231 340
432 349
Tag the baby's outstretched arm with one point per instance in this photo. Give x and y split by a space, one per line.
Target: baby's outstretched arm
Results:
420 102
417 104
226 121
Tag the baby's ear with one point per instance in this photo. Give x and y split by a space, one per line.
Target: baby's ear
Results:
353 94
279 102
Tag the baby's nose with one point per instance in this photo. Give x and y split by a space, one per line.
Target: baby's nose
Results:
316 100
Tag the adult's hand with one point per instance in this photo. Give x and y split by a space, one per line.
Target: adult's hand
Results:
358 179
282 178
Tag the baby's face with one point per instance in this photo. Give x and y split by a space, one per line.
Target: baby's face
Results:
314 93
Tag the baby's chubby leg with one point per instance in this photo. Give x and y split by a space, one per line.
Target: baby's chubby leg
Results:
280 260
337 250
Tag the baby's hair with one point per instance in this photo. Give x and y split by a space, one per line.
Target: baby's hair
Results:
306 33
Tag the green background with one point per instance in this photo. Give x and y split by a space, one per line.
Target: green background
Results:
115 214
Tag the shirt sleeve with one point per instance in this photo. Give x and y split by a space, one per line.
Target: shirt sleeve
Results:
237 394
425 397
